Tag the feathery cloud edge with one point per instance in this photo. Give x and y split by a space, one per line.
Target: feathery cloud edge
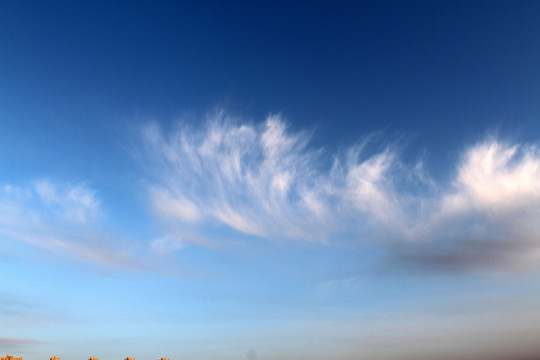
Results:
264 180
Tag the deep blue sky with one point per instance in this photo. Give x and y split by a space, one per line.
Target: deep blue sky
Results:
434 69
306 179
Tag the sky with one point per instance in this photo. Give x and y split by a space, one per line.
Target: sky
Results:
270 180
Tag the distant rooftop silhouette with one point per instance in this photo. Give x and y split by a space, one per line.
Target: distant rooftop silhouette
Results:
9 357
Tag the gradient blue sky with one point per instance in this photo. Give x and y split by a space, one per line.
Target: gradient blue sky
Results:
279 180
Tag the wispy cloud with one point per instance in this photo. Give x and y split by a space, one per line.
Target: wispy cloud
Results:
16 343
258 179
337 284
10 305
265 180
61 219
487 218
72 202
18 312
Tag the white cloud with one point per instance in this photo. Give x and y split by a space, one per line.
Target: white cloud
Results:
76 203
61 219
488 217
165 245
264 180
496 176
259 180
169 205
369 186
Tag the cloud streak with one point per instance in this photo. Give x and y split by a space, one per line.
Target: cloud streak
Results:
17 343
61 219
266 181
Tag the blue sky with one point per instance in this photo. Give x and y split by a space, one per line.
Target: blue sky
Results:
303 180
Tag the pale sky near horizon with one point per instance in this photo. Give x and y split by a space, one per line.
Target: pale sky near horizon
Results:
270 180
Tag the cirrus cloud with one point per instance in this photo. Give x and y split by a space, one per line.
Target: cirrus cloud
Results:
61 219
266 181
258 180
487 218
